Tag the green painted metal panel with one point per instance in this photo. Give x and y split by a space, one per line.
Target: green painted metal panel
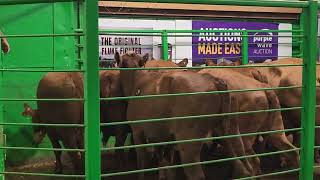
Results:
19 85
2 138
45 53
28 19
64 47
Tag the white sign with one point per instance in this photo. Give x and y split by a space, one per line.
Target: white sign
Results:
109 44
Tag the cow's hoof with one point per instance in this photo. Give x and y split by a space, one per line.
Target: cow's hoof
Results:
57 171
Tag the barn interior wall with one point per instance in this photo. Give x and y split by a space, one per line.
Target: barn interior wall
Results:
185 48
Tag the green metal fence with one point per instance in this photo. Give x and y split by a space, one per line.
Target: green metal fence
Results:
88 33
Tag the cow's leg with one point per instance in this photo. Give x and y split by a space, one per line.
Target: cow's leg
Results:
166 160
235 148
296 139
70 141
138 138
121 136
248 142
317 143
280 141
58 164
105 135
190 153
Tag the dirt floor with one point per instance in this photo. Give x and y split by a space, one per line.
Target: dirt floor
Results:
111 165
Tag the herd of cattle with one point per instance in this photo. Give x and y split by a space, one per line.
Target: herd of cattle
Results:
114 83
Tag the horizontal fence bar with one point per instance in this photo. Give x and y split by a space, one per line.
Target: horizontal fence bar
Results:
198 116
196 163
271 3
150 96
41 149
196 93
197 35
212 58
138 31
41 35
35 70
206 67
36 99
199 139
41 124
41 174
15 2
188 44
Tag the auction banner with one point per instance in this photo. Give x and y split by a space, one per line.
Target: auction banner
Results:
262 46
109 44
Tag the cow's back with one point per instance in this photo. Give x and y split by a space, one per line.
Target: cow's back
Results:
247 101
60 86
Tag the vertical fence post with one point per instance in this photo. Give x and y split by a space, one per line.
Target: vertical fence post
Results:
245 48
92 101
2 137
165 45
309 90
79 41
301 39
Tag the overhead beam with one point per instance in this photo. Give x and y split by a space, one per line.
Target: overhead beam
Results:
197 7
271 3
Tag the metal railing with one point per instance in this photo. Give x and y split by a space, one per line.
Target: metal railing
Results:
91 98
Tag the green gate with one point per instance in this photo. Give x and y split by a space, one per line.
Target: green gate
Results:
84 32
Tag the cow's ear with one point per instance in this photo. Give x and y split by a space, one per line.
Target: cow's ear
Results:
117 57
28 111
185 60
144 60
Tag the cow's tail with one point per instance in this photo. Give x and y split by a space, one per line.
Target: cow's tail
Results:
225 96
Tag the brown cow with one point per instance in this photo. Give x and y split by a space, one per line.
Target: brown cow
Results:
284 77
56 86
144 82
251 72
70 85
292 76
249 123
113 111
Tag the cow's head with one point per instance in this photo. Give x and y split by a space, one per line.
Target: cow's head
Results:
39 132
131 60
